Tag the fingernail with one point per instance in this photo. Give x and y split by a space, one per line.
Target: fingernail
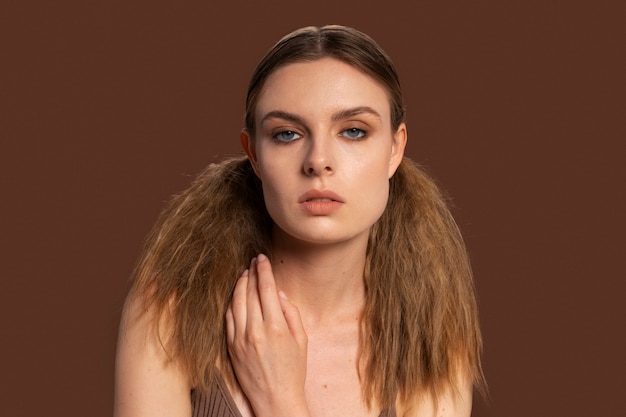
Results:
282 295
261 257
245 273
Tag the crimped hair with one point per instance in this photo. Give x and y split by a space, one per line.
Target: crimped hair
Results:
191 260
419 329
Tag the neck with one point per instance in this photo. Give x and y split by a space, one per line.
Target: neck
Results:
324 281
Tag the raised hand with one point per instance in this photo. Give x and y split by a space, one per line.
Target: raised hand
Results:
267 344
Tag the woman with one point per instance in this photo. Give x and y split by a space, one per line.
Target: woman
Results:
320 275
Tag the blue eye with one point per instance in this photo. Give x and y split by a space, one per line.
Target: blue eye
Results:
354 133
286 136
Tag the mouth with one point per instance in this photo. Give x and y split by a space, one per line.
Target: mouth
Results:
318 199
319 196
320 203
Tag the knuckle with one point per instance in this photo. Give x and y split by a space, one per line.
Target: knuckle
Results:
254 337
266 286
275 328
238 302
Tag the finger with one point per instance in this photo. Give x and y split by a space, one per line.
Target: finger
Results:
238 305
253 304
293 319
230 326
270 304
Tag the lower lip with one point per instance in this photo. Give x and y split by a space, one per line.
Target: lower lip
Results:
320 208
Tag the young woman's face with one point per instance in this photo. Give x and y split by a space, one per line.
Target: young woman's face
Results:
324 149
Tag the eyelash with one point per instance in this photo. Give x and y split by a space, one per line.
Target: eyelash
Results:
361 134
276 136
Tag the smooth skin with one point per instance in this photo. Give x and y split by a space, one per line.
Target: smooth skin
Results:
147 382
266 338
293 324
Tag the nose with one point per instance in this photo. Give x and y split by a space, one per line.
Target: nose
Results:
319 159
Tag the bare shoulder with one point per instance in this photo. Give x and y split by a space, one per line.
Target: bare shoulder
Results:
147 381
455 402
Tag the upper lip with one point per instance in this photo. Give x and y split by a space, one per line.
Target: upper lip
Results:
313 194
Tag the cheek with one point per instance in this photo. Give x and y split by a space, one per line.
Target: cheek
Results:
378 203
372 168
373 189
274 186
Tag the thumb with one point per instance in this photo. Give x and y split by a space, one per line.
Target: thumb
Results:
293 319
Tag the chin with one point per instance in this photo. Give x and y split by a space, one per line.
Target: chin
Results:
319 236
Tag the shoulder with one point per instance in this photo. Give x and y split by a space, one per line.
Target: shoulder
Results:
147 381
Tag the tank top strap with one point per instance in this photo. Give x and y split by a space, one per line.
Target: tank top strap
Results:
388 413
216 403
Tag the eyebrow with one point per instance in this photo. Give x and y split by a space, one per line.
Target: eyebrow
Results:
340 115
355 111
280 114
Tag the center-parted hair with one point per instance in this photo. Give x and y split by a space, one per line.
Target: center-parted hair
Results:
343 43
419 329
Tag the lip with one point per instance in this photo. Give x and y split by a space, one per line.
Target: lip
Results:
319 194
320 203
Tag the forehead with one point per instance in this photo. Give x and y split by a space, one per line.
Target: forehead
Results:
320 86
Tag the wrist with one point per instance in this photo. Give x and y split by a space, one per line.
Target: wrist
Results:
286 406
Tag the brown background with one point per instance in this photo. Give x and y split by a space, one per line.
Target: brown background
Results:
109 107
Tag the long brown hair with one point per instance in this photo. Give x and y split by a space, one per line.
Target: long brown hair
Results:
419 329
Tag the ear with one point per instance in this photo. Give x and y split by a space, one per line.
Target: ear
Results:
247 143
397 149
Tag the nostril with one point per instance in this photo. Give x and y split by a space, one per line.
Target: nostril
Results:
317 169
